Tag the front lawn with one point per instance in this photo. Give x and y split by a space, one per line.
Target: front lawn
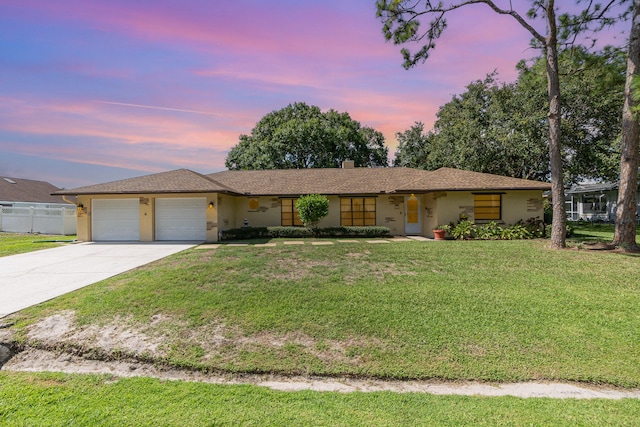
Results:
454 310
586 232
50 400
17 243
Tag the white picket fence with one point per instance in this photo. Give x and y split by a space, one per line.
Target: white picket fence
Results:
38 220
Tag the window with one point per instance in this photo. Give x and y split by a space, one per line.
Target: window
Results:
289 213
487 206
358 211
594 203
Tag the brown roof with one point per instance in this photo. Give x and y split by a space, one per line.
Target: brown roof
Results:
290 182
27 190
444 179
176 181
294 182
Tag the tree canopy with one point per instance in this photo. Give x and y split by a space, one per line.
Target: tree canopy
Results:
402 23
501 128
302 136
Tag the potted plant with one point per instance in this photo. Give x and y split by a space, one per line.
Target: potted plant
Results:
440 231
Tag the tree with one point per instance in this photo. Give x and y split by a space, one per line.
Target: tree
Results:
311 209
301 136
492 128
500 128
593 94
401 22
413 148
625 233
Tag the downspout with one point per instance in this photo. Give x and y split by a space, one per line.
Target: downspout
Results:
69 201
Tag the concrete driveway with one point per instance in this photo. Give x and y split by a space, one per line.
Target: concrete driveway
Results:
34 277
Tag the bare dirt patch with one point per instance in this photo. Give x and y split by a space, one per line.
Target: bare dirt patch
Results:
41 360
133 344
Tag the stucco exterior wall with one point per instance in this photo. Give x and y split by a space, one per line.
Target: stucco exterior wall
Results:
522 205
226 212
389 212
83 219
230 211
516 205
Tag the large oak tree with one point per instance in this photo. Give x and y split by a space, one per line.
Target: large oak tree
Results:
302 136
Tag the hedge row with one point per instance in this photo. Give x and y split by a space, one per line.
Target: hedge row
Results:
296 232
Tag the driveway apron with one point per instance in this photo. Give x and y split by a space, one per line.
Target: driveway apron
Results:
34 277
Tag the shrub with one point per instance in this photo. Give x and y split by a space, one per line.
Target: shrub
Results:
247 233
489 231
516 232
312 208
529 229
463 229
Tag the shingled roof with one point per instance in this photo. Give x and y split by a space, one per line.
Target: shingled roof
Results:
448 179
27 190
294 182
176 181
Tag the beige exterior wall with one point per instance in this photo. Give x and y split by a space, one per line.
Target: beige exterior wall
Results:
83 219
522 205
230 211
516 205
147 214
389 212
430 218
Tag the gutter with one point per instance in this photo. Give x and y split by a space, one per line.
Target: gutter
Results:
69 201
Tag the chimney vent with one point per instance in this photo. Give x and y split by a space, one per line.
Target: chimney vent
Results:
348 164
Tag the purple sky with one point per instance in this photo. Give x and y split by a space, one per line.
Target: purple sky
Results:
94 91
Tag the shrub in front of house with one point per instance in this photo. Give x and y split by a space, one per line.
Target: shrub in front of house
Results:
529 229
248 233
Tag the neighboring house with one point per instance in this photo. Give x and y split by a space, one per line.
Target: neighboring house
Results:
592 202
18 192
27 206
185 205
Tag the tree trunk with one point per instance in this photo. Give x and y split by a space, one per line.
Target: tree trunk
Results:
625 234
559 224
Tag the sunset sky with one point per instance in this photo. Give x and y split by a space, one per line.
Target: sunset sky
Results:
94 91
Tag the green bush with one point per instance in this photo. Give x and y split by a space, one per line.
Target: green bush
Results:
489 231
354 231
463 229
244 233
516 232
312 208
247 233
529 229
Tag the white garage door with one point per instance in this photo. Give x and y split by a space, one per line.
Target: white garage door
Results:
181 218
116 219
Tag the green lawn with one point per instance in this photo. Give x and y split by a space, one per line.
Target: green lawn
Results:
16 243
477 310
584 232
92 400
453 310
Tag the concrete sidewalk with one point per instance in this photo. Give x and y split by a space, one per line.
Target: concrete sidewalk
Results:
34 277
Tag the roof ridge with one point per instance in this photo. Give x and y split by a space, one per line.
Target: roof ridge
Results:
208 178
426 172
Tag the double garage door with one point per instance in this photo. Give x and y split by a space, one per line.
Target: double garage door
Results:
175 219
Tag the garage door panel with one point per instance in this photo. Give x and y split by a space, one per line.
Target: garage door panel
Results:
116 219
181 218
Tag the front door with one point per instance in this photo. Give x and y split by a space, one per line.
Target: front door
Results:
412 217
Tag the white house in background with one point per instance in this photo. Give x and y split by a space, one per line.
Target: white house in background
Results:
593 202
27 206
